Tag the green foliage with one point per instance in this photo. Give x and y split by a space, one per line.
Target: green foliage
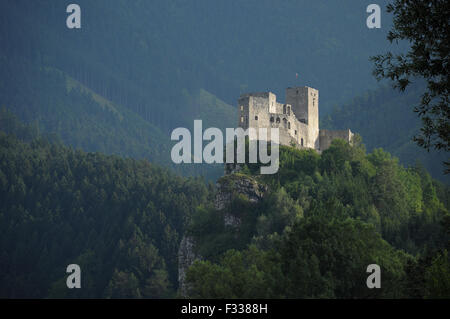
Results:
324 220
121 220
257 221
147 64
280 211
384 118
121 87
334 254
318 258
425 26
251 273
437 277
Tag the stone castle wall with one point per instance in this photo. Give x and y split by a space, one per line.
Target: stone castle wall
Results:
327 136
297 119
262 110
305 105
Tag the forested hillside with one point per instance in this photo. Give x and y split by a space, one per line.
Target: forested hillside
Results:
59 105
143 53
138 69
86 175
120 219
324 219
385 118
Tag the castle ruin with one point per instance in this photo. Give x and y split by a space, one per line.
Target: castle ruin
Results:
297 119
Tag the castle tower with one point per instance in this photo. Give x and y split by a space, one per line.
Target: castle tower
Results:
244 104
305 105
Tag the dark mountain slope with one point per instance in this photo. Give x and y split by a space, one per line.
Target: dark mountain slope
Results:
385 118
120 219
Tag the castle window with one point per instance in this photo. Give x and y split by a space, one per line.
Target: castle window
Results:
242 107
289 110
285 122
289 125
271 119
295 132
284 109
242 119
256 117
301 141
278 120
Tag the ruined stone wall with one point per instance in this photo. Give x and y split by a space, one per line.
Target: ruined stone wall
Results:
265 112
259 107
302 134
297 119
327 136
305 105
243 111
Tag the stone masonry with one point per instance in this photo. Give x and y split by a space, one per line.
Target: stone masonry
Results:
297 119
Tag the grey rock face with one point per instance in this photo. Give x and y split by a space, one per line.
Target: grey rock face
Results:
230 185
186 257
227 187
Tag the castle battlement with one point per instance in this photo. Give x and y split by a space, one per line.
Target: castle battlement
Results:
297 119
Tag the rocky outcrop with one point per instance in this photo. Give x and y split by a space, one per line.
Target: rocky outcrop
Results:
227 187
232 168
186 257
230 185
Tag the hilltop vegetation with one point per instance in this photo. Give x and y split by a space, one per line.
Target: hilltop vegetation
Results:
61 106
83 112
119 219
384 118
325 219
58 105
135 71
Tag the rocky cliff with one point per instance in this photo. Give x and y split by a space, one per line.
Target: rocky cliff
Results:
226 188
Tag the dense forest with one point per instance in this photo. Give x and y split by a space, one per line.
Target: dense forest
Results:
119 219
141 54
384 118
86 175
324 219
134 72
